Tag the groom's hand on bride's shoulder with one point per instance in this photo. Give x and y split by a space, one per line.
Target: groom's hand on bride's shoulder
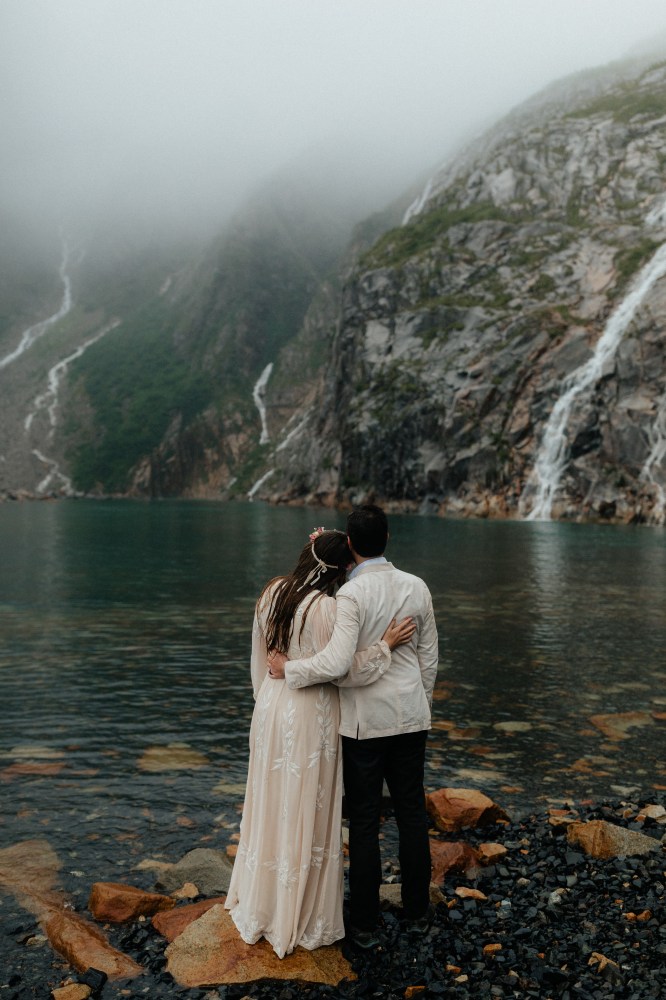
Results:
276 662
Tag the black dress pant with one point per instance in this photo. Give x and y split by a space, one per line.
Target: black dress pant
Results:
366 763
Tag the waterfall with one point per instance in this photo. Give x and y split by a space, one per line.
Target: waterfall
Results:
294 432
258 394
53 473
33 333
49 398
655 459
259 483
551 458
416 206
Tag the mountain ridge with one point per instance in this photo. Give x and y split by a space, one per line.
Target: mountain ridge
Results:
458 326
416 360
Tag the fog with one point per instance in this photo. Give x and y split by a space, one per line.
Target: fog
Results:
176 110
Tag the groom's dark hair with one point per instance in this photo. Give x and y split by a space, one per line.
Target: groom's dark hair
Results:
367 528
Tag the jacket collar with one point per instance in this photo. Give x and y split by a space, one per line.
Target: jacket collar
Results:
371 567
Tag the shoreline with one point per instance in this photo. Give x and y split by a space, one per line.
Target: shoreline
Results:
491 507
545 920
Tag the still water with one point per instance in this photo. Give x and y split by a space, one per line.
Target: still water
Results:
125 630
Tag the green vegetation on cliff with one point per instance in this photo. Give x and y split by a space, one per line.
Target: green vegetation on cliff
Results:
138 384
627 100
424 232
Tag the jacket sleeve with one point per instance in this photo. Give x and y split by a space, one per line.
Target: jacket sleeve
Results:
368 665
259 657
427 649
336 658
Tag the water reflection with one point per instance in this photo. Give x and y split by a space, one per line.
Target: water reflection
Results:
126 626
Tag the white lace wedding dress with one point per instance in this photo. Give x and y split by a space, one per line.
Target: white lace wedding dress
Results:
286 885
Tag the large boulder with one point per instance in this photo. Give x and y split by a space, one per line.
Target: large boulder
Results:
210 952
605 840
115 903
208 869
453 809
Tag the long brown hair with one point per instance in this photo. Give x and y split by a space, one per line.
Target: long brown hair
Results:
308 577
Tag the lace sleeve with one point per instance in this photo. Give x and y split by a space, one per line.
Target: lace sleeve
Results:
258 660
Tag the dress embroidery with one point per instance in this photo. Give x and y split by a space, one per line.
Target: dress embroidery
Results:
328 741
286 884
287 877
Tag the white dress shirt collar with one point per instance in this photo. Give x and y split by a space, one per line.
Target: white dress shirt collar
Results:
366 562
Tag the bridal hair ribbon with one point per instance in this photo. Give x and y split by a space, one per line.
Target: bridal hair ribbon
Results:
313 576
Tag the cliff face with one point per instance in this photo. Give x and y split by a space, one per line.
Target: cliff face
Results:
171 393
503 351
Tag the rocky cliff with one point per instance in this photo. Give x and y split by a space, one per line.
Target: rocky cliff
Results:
494 348
138 374
503 351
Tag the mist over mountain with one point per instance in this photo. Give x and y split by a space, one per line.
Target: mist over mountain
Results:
502 352
155 357
353 329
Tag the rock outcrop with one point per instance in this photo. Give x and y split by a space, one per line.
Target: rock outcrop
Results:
210 951
460 330
501 353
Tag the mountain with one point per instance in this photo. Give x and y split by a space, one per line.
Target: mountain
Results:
502 352
138 377
492 344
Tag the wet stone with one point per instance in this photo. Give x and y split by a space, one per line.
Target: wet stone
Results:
545 948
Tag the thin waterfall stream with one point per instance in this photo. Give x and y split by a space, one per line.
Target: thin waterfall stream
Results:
48 401
655 460
551 458
258 395
33 333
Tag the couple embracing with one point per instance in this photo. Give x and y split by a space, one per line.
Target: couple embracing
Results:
362 665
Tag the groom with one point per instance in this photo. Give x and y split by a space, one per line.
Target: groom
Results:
383 726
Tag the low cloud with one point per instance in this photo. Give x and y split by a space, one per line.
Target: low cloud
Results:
169 112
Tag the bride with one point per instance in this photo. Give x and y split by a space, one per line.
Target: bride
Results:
287 882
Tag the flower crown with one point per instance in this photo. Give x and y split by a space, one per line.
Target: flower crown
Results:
313 576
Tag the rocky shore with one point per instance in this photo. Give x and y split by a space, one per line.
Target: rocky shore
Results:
568 903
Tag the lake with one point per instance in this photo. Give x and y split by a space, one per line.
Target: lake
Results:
124 674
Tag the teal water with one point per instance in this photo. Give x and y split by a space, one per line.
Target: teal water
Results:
125 627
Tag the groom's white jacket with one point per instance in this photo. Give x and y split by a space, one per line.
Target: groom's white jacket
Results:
399 702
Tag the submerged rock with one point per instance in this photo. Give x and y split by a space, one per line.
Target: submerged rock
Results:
84 946
615 725
208 869
175 756
29 870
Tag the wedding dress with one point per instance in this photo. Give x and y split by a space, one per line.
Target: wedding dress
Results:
287 881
